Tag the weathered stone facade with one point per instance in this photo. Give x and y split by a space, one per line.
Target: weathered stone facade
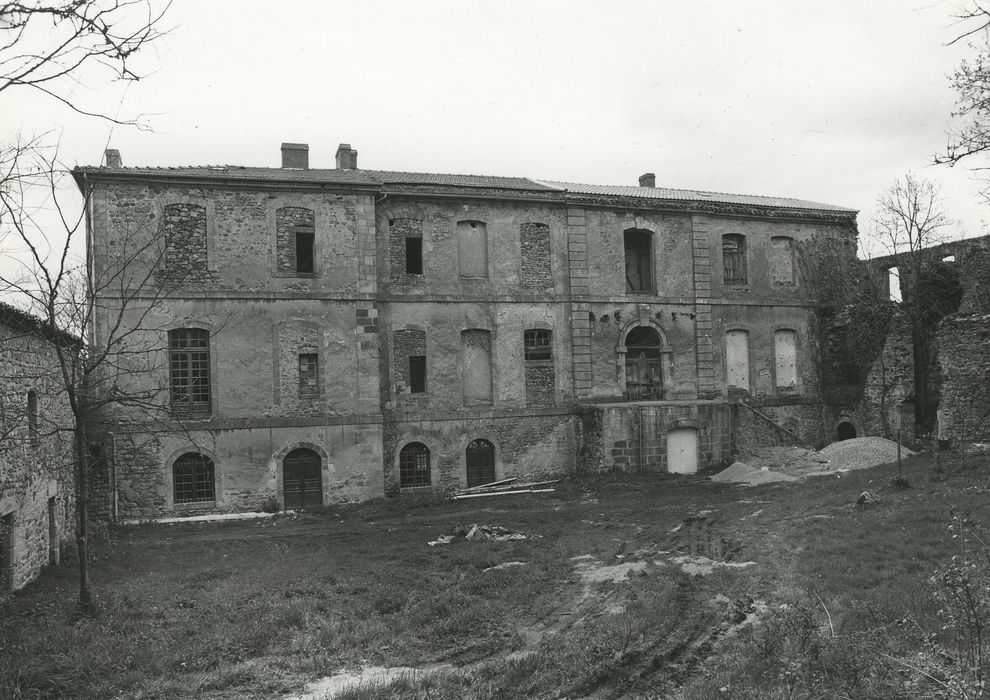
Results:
964 343
446 311
37 503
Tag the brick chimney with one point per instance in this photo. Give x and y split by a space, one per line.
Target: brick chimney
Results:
346 157
112 158
647 180
295 155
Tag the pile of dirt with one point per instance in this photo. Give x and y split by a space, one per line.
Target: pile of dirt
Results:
743 473
862 453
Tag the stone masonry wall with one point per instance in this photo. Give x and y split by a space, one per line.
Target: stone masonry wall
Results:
540 390
398 231
35 459
964 344
534 245
289 220
186 245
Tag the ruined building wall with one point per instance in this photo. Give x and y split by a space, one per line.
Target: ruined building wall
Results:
964 344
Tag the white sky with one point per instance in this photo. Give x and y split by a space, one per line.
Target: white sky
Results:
822 100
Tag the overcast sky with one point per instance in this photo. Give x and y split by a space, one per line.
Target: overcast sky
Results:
822 100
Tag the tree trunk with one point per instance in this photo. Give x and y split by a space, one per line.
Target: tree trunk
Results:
82 514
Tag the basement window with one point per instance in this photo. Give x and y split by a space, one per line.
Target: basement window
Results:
414 256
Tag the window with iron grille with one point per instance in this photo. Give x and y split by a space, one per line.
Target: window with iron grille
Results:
414 465
639 265
189 371
537 344
193 479
309 381
734 258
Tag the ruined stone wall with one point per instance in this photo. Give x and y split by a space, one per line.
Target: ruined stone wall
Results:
35 459
964 344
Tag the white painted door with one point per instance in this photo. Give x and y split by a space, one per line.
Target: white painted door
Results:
682 451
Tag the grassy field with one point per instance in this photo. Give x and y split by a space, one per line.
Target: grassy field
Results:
629 590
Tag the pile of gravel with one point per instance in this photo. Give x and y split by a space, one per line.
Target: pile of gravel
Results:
862 453
742 473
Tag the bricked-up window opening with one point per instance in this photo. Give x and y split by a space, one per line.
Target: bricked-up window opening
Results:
737 360
639 264
193 479
417 374
480 458
7 552
734 258
189 371
185 231
644 377
32 416
472 248
309 381
414 465
476 366
782 260
302 478
537 344
304 251
534 244
785 359
414 256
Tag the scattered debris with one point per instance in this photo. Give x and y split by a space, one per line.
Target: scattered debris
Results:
703 566
504 565
868 498
506 487
477 533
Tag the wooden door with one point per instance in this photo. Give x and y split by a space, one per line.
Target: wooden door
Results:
480 463
302 479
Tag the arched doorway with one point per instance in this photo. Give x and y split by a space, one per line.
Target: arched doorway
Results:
302 478
644 375
682 451
845 431
480 456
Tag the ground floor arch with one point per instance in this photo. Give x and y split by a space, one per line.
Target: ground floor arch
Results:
302 479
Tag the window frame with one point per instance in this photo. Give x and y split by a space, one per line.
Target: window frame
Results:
411 458
203 485
538 346
738 275
644 264
195 357
305 392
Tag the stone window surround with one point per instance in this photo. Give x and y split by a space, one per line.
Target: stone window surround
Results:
408 439
795 264
462 446
798 353
321 364
319 223
275 467
211 219
204 325
542 326
169 465
743 241
666 353
748 328
639 223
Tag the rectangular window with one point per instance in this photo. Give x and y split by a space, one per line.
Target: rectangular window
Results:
32 415
785 359
536 344
737 360
734 259
189 371
414 256
472 249
417 374
309 383
781 260
304 250
7 552
639 269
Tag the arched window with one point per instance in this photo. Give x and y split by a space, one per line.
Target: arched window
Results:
638 247
414 465
189 371
644 374
734 259
193 479
480 458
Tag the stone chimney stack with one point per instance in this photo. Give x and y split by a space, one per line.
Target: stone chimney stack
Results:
112 158
295 155
346 157
647 180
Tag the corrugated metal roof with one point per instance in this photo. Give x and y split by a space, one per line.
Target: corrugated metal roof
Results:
690 196
374 178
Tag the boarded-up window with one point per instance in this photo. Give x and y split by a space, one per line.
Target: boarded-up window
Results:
737 359
785 358
480 462
472 248
476 366
193 479
782 260
734 259
638 246
414 465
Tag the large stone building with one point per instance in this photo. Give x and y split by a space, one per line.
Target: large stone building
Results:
37 504
345 333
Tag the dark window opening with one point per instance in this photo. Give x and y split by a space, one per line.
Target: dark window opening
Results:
193 479
7 552
189 371
845 431
309 383
32 415
639 268
644 378
537 344
417 374
480 458
305 241
414 256
734 259
414 465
